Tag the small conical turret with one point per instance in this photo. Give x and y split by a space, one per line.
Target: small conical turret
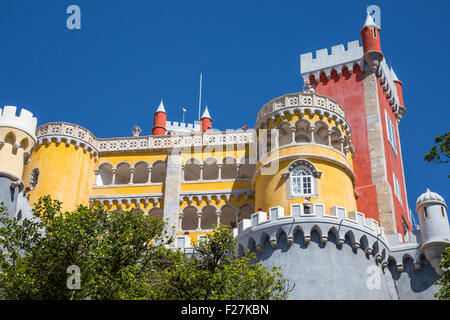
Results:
206 121
399 87
160 119
370 34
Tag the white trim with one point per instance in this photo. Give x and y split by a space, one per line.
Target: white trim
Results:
392 137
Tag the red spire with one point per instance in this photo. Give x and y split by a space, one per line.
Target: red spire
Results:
206 121
159 123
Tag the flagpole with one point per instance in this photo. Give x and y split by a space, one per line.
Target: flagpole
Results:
200 97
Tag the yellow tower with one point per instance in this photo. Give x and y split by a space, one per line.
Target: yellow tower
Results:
17 138
305 155
62 164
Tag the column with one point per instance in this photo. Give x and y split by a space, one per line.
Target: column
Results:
96 176
293 129
114 171
199 224
180 220
341 141
183 168
219 168
311 129
202 166
132 170
218 213
149 180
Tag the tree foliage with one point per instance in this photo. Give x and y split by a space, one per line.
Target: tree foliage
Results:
122 255
444 282
214 273
440 153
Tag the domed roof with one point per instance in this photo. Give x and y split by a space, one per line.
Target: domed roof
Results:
429 196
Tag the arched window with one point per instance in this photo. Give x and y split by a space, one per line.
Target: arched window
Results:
105 175
34 178
302 181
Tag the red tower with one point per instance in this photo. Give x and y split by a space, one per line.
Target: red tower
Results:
206 121
370 34
360 80
159 122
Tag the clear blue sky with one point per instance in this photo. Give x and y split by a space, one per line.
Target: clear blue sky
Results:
111 74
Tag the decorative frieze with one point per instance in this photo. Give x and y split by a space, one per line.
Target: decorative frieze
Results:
74 133
302 103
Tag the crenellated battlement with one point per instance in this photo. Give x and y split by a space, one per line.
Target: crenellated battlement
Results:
325 62
182 127
343 223
351 227
24 121
68 133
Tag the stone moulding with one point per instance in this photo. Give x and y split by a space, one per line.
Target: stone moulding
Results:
128 198
209 195
78 135
303 103
69 134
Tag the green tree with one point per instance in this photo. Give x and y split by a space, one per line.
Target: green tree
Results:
122 255
112 249
214 272
440 153
444 282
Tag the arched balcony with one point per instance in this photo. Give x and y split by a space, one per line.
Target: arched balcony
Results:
229 168
210 169
141 172
209 216
125 173
305 131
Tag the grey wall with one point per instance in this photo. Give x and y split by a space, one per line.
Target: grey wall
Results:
415 284
333 272
8 195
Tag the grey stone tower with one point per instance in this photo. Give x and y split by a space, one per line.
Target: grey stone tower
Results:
434 227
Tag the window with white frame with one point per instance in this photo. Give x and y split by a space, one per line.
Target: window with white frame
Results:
302 181
391 133
397 189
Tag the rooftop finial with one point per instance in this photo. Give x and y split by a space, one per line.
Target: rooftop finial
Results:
206 113
369 23
161 107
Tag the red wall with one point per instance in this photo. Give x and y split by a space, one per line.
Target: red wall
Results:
348 90
393 162
159 124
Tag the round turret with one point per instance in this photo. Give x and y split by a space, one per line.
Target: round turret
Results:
160 119
206 121
62 164
434 227
370 34
17 138
305 151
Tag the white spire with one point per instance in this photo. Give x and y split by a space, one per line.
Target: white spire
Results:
161 107
206 114
370 23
